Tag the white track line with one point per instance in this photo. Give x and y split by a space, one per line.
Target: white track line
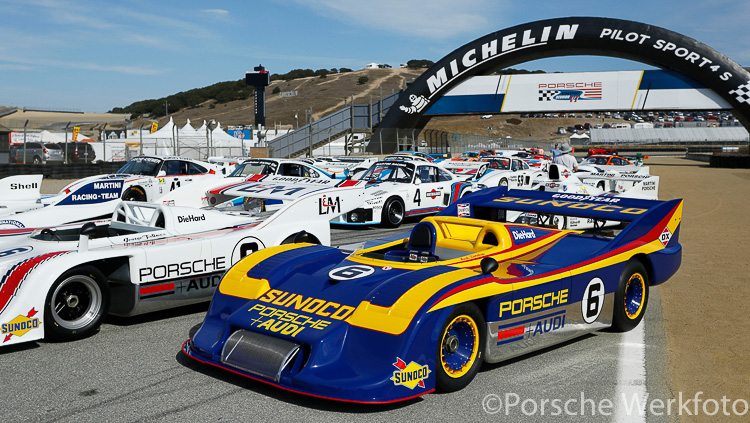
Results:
630 404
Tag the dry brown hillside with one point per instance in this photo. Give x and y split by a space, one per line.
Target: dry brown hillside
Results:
324 95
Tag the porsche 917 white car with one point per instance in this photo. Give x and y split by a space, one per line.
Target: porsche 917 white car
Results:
399 188
506 172
60 282
147 178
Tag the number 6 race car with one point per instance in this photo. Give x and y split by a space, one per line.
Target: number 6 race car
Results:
404 317
60 282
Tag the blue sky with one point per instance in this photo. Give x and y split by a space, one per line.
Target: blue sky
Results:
95 55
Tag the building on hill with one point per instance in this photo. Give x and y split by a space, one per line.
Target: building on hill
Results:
372 65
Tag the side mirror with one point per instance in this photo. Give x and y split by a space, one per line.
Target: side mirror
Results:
88 229
417 181
488 265
161 173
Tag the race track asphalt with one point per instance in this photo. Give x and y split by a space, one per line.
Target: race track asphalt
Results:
133 371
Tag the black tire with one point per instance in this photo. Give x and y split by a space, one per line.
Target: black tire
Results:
631 297
134 194
503 182
460 348
393 213
37 160
76 304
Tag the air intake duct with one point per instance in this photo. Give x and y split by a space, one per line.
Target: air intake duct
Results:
259 354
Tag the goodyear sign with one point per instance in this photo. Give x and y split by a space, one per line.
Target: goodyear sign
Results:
20 325
409 375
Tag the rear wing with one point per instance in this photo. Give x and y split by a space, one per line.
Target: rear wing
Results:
21 188
643 216
273 187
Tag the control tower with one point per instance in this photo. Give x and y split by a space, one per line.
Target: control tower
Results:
260 78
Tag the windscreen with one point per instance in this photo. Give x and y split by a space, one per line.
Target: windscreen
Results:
147 166
389 172
594 161
255 167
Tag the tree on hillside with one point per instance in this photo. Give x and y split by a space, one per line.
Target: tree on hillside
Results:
419 64
334 70
362 80
344 70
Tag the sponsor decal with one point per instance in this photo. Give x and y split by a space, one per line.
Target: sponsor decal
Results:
258 188
329 205
20 325
665 236
184 286
176 270
346 273
464 210
608 208
310 305
593 300
565 173
538 302
387 267
11 222
94 192
417 104
523 234
570 91
33 185
530 328
284 322
432 194
191 218
410 375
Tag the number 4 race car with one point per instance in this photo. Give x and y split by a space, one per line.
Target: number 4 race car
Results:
404 317
60 282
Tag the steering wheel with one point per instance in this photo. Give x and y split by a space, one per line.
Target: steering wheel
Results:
49 232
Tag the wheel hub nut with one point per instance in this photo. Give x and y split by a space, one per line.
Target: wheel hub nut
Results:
71 300
451 344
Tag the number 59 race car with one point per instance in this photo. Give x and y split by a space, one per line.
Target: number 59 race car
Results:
60 282
406 316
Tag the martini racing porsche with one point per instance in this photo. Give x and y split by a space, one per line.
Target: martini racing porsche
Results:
147 178
60 282
399 188
408 315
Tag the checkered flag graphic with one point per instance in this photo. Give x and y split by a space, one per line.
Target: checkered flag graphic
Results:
547 95
742 92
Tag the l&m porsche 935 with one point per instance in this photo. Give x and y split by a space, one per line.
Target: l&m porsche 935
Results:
60 282
406 316
399 188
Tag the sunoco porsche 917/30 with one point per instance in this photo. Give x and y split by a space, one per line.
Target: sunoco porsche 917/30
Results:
406 316
59 282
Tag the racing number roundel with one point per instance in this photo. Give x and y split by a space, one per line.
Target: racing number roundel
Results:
350 272
593 300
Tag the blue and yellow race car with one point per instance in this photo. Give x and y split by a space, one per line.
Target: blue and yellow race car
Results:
420 312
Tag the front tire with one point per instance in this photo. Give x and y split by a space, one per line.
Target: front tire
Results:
76 304
631 297
460 348
393 213
134 194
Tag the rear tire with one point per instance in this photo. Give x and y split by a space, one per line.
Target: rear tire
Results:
631 297
134 194
37 160
460 348
393 213
76 304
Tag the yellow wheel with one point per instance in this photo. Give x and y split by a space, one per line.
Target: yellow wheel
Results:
460 347
631 297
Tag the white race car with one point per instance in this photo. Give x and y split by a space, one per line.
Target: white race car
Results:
61 282
399 188
506 172
562 180
147 178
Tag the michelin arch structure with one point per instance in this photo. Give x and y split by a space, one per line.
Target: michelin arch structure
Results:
565 37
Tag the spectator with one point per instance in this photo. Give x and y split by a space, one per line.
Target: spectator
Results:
565 158
555 150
